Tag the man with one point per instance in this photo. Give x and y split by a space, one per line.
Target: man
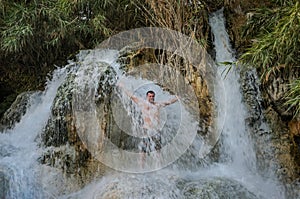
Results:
151 122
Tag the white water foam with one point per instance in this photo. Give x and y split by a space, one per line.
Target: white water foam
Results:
237 149
237 154
177 127
19 163
238 161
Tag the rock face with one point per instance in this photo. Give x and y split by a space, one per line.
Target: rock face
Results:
17 110
136 65
216 188
274 144
272 140
171 187
63 147
66 148
285 128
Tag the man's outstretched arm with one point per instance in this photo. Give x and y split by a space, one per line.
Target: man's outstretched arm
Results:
129 94
170 101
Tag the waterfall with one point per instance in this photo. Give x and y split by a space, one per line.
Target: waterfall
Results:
238 154
177 127
234 175
236 142
19 151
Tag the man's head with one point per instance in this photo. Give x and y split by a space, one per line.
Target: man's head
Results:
150 96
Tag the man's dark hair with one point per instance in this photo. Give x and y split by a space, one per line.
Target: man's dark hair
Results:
151 92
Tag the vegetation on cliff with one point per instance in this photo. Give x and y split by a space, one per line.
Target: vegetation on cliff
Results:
37 35
275 47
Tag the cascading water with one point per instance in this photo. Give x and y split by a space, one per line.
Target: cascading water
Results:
19 163
173 118
238 155
235 175
236 144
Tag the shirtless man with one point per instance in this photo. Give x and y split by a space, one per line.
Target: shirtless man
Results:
150 115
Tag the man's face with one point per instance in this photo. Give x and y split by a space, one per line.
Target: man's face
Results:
150 97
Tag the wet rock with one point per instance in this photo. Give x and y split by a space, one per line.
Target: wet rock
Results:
136 63
174 76
64 145
58 130
17 110
167 186
252 97
272 142
139 187
216 188
67 138
293 189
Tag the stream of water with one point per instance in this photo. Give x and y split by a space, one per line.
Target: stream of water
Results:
235 174
19 150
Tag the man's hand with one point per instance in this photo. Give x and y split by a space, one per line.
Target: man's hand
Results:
128 93
175 99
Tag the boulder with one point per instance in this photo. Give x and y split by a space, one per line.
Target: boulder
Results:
19 107
216 187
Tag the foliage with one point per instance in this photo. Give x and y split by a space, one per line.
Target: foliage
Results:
36 35
35 27
39 33
293 97
275 43
189 17
283 2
